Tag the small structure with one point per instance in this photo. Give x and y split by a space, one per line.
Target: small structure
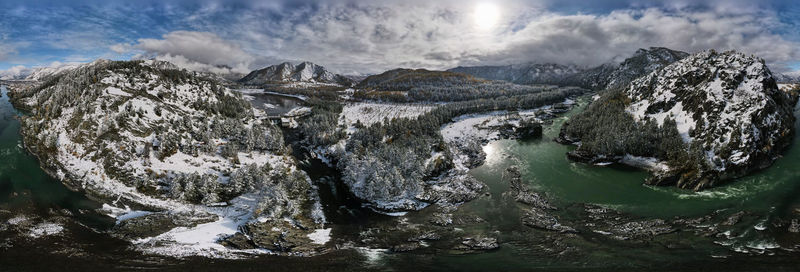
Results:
290 118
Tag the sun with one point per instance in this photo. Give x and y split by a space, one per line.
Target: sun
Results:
486 15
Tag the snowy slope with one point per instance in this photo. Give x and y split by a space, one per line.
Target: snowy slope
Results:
143 134
726 104
287 73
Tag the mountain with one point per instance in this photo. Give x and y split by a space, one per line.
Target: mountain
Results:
787 78
709 117
610 75
36 74
641 63
43 73
522 73
287 72
15 73
405 79
178 148
420 85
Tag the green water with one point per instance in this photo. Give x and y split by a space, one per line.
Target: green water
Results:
546 168
25 188
23 185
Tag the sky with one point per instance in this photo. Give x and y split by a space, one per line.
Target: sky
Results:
365 37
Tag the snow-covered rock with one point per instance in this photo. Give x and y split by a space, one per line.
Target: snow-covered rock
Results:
727 109
289 73
176 148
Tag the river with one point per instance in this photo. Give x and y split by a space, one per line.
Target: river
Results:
27 194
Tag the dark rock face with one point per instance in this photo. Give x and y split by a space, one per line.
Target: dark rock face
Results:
794 226
538 214
478 243
273 236
157 223
405 247
541 219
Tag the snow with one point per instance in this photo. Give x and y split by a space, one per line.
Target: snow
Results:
131 215
724 108
122 214
116 91
320 236
203 239
372 113
79 159
649 163
45 229
17 220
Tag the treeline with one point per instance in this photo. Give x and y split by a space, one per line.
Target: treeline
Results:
605 128
122 135
390 162
447 91
322 127
405 85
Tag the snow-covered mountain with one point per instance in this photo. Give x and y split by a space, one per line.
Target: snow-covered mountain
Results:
37 73
643 62
788 78
610 75
15 73
44 73
189 156
725 109
727 104
287 72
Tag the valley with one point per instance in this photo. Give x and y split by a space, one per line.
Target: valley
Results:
442 169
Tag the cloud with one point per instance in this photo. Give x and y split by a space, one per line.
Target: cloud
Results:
202 51
21 71
15 72
593 39
7 50
374 36
120 48
349 36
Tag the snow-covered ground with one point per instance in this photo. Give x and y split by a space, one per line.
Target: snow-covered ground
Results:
77 154
320 236
45 229
370 113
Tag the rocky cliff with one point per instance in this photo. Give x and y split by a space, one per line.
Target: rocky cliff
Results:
725 109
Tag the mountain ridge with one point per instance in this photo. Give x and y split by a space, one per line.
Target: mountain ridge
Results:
287 72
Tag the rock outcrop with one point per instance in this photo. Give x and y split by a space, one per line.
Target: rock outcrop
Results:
725 108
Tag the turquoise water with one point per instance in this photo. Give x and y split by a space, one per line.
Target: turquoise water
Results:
23 185
546 168
25 188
